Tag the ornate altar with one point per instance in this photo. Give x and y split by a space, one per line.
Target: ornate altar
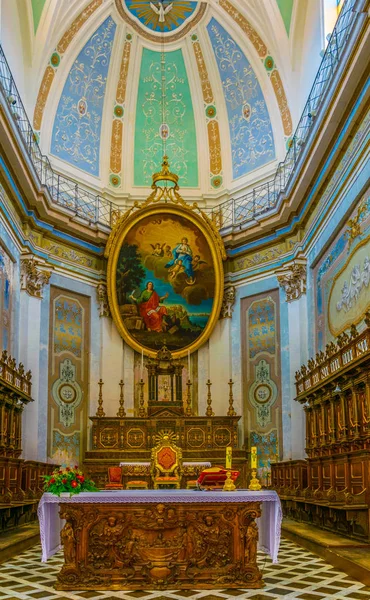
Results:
163 413
169 542
331 488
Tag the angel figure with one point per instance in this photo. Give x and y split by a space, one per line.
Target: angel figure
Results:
161 10
197 262
158 249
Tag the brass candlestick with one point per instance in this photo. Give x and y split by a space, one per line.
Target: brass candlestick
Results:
229 485
254 483
100 412
231 412
121 410
209 411
188 412
142 412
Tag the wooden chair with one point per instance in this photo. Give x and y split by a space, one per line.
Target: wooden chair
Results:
114 479
166 464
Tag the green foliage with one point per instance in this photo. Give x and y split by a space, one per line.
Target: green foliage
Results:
130 272
68 480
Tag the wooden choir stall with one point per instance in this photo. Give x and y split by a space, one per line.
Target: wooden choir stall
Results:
331 488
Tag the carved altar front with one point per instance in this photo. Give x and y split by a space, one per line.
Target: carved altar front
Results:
164 545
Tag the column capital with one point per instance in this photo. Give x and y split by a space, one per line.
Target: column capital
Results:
34 275
292 277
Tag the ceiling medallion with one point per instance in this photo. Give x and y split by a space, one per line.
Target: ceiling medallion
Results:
161 20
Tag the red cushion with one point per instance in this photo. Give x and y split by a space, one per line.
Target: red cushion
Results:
114 474
114 486
166 457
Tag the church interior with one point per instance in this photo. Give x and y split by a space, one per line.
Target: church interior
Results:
184 299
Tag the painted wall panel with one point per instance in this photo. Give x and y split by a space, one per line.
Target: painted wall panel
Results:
342 277
261 376
69 349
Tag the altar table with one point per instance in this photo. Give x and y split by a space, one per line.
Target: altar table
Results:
160 539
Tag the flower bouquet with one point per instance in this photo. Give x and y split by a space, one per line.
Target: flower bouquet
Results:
68 480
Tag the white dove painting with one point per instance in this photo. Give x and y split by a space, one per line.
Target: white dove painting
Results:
161 15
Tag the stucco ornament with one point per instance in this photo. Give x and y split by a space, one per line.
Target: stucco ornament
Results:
293 278
102 298
34 276
228 302
358 281
263 393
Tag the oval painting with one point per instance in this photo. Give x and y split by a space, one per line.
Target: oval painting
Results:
164 280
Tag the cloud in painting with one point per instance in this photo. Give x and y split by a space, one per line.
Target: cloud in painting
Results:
203 289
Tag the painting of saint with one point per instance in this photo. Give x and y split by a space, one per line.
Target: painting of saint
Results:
150 309
165 281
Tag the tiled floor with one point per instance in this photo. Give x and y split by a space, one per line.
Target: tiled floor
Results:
299 574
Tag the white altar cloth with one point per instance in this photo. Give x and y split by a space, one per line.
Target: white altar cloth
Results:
269 524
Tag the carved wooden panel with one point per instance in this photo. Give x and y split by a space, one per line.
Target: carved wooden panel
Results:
159 546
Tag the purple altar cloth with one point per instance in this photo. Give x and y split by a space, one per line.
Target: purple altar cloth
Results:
269 524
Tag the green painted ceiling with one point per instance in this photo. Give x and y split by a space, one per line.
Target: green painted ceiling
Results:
37 8
286 9
181 145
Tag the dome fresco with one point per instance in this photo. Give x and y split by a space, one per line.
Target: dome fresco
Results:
130 80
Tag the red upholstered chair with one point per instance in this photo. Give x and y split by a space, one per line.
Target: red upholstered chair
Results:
166 464
114 479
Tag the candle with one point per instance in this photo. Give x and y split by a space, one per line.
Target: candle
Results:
188 365
142 365
229 457
254 457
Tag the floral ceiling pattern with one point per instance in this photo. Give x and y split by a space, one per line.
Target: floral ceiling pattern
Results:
251 136
77 125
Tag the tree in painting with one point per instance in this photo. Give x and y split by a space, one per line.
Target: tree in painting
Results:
130 273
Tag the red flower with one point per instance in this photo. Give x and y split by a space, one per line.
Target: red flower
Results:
52 480
68 469
64 481
76 466
74 483
81 478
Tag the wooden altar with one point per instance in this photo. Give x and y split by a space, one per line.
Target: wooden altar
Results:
130 439
156 540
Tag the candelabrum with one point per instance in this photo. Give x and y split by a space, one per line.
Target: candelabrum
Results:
209 411
231 412
142 412
188 412
100 412
121 411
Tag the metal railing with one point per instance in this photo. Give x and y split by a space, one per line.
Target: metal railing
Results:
93 208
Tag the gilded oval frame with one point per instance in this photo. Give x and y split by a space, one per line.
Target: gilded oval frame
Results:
214 242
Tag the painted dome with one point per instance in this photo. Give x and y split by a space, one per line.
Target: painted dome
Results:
131 80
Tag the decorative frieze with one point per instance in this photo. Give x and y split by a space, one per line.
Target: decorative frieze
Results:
293 278
34 276
228 302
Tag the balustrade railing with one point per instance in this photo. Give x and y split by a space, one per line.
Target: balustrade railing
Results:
336 357
93 208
